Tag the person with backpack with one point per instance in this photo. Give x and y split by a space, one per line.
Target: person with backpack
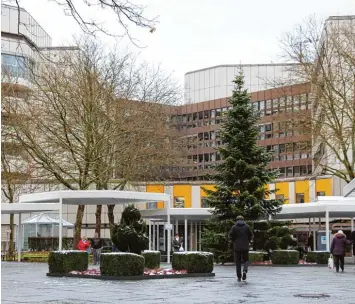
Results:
241 236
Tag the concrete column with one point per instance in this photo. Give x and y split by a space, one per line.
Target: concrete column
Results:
272 195
327 229
291 193
196 197
185 236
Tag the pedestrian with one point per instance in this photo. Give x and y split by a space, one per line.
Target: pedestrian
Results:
241 235
84 244
338 248
96 245
177 243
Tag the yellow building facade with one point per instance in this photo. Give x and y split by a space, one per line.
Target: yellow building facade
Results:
293 191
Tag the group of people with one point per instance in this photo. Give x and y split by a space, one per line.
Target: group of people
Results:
241 236
95 246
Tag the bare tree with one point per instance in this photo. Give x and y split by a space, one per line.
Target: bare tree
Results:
126 12
325 57
94 116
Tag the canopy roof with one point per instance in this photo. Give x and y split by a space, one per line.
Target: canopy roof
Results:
337 206
349 189
27 208
192 214
43 218
94 197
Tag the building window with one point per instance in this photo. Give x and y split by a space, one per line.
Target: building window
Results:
321 193
179 202
15 66
296 171
289 171
268 127
204 202
299 198
152 205
282 172
280 197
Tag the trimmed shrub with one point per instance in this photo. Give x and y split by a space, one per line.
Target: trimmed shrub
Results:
193 262
121 264
151 259
255 256
285 257
67 260
319 257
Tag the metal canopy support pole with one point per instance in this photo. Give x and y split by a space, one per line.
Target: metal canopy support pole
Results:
196 236
191 236
352 224
153 238
52 234
19 239
314 234
158 237
185 236
36 230
200 235
169 231
176 226
150 235
164 242
60 223
327 229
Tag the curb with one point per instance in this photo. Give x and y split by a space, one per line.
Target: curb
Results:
132 278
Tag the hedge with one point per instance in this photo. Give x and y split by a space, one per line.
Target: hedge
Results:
285 257
255 256
67 260
151 259
193 262
121 264
319 257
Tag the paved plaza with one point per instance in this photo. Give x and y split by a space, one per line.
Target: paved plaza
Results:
28 283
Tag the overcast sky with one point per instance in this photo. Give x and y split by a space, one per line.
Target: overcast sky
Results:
194 34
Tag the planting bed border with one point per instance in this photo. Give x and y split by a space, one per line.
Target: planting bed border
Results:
132 278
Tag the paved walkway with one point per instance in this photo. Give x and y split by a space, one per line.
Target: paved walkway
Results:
27 283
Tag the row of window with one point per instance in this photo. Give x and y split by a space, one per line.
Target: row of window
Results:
15 66
295 171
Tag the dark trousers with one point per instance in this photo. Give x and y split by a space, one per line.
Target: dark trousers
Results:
241 256
339 259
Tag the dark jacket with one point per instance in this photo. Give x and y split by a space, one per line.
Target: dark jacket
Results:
241 235
177 243
96 243
339 244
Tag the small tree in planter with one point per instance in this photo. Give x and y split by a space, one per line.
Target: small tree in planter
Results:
129 234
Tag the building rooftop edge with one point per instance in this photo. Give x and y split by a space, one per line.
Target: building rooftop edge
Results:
238 65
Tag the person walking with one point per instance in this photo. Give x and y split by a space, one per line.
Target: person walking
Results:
338 248
96 245
241 236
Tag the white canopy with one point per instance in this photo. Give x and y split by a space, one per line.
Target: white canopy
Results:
94 197
43 218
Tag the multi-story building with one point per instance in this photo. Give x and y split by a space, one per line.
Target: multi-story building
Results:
200 121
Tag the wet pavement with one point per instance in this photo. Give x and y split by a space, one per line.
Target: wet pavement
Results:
28 283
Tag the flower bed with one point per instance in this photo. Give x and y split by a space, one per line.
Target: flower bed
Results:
147 272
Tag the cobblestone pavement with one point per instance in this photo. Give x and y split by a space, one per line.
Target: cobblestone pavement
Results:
28 283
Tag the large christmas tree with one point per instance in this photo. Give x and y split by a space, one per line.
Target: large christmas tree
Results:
240 178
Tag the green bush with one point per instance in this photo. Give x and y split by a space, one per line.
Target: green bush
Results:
255 256
285 257
319 257
121 264
151 259
193 262
66 261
